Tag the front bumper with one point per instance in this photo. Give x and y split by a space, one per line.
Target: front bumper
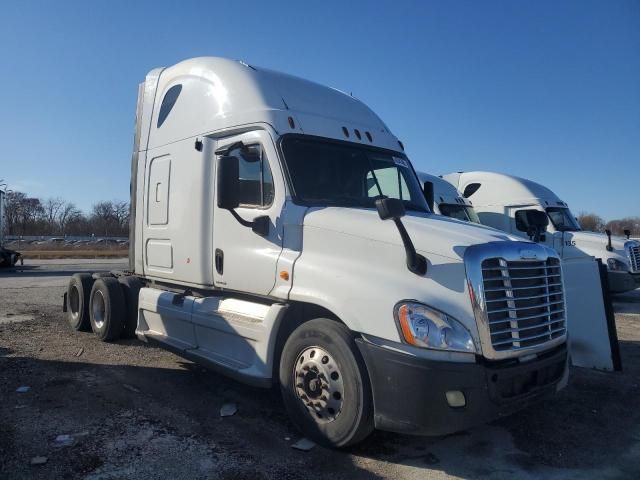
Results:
620 282
409 392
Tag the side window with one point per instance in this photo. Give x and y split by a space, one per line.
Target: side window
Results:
168 102
256 181
521 221
470 189
391 183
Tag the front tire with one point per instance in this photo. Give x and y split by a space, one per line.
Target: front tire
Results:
107 309
324 383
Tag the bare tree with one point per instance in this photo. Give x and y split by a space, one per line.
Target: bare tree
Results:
67 214
103 217
618 227
26 215
52 208
121 213
12 210
591 222
32 211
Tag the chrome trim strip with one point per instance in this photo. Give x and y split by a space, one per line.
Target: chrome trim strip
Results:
520 288
517 309
529 317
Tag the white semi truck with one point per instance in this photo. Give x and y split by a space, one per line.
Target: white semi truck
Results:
593 338
280 235
502 201
444 199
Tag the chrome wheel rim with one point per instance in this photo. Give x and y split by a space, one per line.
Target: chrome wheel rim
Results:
98 309
318 384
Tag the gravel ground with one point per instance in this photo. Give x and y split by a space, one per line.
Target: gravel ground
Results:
135 411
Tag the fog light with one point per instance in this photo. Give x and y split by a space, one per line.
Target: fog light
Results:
455 398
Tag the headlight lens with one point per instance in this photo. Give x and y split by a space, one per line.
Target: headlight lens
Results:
617 265
422 326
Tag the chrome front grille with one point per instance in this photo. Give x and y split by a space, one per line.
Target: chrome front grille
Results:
523 302
633 252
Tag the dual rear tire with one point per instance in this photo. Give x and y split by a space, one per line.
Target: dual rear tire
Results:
107 305
107 309
78 296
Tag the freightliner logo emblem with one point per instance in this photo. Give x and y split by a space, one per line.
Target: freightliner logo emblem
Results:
528 255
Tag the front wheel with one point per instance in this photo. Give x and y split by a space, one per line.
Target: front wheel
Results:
325 385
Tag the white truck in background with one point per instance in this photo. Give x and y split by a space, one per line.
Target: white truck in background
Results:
502 201
280 235
593 339
444 199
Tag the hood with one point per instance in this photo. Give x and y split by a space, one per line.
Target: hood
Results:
596 243
430 233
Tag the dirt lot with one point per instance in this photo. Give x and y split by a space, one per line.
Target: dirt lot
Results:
134 411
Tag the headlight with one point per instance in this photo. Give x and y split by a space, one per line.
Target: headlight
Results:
616 265
422 326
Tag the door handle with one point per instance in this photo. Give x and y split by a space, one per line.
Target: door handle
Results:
158 191
219 260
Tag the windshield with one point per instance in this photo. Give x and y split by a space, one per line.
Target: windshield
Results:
347 175
459 212
562 219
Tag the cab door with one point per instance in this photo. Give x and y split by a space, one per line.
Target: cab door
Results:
244 260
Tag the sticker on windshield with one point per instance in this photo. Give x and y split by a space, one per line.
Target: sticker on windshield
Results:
401 162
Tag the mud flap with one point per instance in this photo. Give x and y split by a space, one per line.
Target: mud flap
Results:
611 319
593 340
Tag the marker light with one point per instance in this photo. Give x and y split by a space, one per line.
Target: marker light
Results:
425 327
